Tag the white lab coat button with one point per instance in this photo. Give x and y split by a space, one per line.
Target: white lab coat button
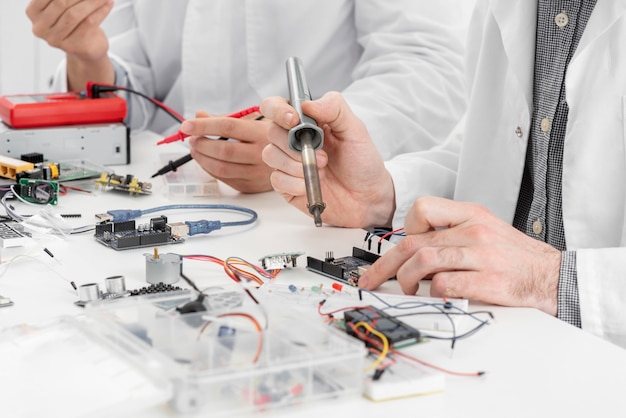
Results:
546 123
561 19
537 227
518 131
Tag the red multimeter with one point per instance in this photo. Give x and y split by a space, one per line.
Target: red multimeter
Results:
71 108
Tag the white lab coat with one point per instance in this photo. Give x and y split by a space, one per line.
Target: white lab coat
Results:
491 155
399 63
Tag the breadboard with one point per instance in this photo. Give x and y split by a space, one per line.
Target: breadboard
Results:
404 380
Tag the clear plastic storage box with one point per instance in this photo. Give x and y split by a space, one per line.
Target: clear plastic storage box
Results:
235 357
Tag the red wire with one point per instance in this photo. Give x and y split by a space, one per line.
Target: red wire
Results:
408 357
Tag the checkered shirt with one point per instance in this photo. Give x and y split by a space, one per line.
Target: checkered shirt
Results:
560 25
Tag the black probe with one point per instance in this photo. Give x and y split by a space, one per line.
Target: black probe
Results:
173 165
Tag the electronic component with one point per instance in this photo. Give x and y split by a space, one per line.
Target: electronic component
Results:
404 379
71 108
279 261
346 269
125 235
12 234
392 328
306 137
127 183
10 167
5 301
59 171
103 144
159 289
163 268
116 288
38 191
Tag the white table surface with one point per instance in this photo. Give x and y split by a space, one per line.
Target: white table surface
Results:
536 365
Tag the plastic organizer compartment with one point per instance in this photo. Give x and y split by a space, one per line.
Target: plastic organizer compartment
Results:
220 363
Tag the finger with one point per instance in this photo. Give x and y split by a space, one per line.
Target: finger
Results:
202 114
228 151
276 158
412 260
331 109
388 265
45 13
428 213
244 130
72 15
280 111
288 185
467 285
36 7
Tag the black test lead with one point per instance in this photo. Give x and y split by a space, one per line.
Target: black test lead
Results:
173 165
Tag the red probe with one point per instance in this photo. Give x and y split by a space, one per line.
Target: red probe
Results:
180 136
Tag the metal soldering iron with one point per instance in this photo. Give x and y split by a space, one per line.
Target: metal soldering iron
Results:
306 137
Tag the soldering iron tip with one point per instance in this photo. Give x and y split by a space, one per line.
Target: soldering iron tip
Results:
317 218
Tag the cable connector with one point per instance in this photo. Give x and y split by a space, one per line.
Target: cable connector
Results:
94 89
203 226
122 215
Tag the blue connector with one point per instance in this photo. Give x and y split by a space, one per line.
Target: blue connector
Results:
122 215
203 226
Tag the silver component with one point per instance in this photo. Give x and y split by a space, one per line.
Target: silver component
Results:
163 268
88 292
115 284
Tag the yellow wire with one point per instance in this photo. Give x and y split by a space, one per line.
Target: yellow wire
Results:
385 350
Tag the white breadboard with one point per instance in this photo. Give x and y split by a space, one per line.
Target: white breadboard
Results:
404 380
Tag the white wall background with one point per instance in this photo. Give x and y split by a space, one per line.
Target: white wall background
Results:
27 63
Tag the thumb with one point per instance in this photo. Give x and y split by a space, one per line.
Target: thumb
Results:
332 110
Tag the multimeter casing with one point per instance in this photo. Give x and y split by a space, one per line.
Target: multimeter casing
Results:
71 108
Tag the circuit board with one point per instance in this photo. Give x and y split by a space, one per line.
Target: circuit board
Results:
345 269
69 172
125 235
392 328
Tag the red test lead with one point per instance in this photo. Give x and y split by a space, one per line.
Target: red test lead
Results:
180 136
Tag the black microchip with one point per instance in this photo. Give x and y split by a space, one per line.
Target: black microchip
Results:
392 328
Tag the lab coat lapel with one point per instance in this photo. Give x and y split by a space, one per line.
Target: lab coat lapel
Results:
517 20
604 15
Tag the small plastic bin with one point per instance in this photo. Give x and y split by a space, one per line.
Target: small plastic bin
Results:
237 356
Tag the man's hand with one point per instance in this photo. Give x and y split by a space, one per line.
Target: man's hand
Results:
356 187
74 27
236 163
469 253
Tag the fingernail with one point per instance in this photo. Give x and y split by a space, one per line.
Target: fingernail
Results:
288 118
450 292
186 127
364 281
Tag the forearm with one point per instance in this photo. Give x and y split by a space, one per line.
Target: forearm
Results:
80 71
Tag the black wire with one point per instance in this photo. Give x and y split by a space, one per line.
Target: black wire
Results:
191 283
158 104
441 307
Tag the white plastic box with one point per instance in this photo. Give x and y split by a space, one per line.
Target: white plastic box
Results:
220 363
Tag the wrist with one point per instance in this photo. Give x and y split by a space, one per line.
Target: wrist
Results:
382 205
80 71
548 296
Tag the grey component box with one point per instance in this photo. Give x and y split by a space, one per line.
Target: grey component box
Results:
104 144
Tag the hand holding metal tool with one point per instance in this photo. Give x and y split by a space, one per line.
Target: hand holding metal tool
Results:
306 137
